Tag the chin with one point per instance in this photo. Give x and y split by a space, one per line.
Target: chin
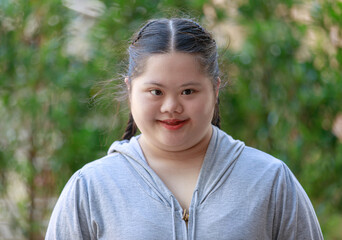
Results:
176 145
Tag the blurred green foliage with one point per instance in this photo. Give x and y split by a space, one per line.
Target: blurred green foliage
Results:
283 95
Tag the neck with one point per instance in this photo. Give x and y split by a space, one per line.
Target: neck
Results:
186 158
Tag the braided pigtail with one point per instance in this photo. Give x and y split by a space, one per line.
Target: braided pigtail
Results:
140 33
216 121
131 129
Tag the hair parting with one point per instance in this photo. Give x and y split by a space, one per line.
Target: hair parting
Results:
172 36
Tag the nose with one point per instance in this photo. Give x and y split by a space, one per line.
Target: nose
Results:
171 105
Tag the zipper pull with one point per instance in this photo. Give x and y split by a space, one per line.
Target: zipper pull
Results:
185 216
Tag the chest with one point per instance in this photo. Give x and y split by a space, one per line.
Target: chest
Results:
180 179
182 186
144 217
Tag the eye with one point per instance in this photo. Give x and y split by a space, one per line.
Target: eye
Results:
188 91
156 92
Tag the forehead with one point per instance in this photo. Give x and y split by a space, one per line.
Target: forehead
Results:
172 66
177 60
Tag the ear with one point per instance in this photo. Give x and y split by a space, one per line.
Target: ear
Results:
128 85
218 84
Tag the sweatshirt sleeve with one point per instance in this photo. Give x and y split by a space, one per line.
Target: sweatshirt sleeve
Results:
295 217
70 218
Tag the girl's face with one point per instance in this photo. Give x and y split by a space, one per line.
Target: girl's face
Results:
172 102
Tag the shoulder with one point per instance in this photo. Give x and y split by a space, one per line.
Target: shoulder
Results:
103 164
115 162
93 174
258 168
111 167
257 158
248 161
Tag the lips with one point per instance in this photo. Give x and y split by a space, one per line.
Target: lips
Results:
173 124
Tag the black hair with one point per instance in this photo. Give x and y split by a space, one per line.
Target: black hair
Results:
168 35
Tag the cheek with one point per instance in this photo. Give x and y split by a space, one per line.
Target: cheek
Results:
142 105
202 108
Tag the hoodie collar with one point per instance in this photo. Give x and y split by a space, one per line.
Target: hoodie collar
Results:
219 161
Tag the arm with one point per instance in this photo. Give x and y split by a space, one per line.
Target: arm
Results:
71 216
295 217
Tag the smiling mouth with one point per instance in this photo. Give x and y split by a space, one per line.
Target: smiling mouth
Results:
172 121
173 124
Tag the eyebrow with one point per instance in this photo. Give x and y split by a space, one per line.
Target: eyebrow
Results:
183 85
154 83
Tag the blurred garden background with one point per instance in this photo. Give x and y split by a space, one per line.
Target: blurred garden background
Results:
282 60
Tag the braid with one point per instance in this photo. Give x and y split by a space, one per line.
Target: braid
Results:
200 32
216 121
130 130
139 34
201 29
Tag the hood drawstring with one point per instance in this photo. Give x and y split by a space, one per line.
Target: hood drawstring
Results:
173 218
194 215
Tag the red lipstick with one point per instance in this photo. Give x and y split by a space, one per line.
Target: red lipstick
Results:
173 124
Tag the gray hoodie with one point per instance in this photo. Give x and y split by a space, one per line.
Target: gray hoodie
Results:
241 193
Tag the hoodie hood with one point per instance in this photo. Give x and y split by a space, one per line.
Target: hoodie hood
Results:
133 153
220 158
221 155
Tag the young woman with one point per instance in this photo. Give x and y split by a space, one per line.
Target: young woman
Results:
182 177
